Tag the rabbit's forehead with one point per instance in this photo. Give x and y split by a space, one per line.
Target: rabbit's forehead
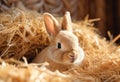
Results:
67 38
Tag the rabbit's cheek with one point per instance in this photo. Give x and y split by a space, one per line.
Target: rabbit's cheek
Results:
58 57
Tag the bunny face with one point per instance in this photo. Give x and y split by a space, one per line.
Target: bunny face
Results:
64 46
65 49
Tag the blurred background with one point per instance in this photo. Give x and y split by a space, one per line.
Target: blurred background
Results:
107 10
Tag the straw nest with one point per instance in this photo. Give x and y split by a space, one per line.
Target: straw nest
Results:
23 35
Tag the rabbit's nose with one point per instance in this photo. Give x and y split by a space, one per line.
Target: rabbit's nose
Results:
72 58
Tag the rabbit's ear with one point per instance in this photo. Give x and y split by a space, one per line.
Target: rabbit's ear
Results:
67 23
51 24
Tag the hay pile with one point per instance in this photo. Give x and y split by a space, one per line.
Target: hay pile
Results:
22 33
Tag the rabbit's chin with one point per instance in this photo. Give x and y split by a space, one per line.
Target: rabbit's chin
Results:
80 57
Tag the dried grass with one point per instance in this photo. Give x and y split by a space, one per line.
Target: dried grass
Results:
23 34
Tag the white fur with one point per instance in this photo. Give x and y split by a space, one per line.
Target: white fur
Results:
81 57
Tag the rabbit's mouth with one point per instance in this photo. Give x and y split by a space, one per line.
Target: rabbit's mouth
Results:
72 58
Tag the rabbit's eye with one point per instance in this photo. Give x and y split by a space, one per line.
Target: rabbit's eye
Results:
59 45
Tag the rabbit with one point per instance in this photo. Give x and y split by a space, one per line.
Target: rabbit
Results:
64 49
